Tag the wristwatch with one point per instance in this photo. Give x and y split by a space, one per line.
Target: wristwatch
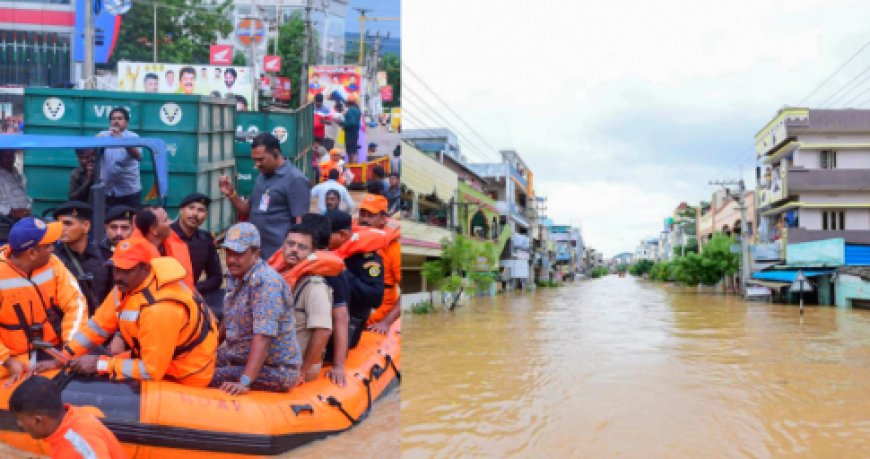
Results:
245 381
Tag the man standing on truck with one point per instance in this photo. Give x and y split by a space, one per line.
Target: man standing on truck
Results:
82 178
119 167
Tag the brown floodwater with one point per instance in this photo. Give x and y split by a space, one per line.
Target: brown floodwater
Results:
617 367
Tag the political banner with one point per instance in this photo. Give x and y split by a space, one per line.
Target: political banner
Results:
203 80
382 79
335 82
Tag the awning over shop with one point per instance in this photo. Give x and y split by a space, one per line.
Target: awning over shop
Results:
788 275
425 176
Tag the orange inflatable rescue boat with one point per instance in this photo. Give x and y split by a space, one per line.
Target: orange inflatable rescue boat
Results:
167 420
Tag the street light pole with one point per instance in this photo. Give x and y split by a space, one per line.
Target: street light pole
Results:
154 39
89 44
303 79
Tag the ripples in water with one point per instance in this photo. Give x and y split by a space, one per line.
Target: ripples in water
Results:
620 368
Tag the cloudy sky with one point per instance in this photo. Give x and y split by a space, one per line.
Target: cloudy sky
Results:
623 109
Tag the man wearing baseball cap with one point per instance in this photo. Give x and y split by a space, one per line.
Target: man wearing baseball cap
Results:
170 332
373 213
39 298
260 351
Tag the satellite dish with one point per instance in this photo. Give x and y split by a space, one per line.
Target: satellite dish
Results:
117 7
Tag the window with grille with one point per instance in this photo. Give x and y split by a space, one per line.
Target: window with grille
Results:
834 220
828 159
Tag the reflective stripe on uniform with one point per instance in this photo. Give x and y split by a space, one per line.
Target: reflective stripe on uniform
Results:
127 368
130 316
97 329
18 282
143 372
80 444
83 340
82 307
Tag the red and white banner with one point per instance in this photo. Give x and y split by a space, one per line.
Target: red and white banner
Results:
220 54
272 63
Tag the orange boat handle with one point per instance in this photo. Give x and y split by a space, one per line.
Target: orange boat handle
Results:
300 408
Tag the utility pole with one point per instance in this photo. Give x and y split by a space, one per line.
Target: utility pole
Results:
303 79
324 58
89 44
362 29
744 227
278 14
154 33
373 74
252 23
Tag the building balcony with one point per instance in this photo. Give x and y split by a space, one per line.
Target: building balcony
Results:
798 235
518 213
773 188
827 179
522 181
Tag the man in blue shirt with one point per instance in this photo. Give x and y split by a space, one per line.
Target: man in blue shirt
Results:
119 167
319 191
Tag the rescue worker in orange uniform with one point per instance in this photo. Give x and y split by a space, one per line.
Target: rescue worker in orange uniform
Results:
373 213
153 224
39 297
71 432
332 163
170 331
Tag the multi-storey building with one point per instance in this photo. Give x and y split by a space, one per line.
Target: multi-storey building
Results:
510 182
813 179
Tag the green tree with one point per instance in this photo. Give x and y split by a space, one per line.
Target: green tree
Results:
600 271
691 246
457 269
392 64
185 29
239 58
640 268
291 40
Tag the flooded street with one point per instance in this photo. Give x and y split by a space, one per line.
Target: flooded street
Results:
617 367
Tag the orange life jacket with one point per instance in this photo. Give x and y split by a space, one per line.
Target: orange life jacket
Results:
188 357
364 239
49 299
174 247
81 434
319 263
328 166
